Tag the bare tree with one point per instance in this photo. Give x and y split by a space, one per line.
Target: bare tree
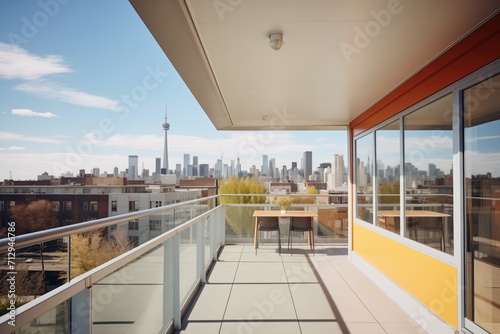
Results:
31 286
33 217
91 249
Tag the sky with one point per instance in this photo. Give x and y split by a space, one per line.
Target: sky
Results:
83 84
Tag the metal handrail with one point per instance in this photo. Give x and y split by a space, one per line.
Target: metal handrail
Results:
34 238
37 307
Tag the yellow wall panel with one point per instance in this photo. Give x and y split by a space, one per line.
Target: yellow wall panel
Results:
429 280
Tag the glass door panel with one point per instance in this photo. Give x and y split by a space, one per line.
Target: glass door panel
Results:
482 203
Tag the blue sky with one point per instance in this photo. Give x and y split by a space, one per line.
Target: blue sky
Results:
83 84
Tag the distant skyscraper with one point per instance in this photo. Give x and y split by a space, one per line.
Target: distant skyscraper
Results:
166 127
115 171
187 157
195 165
265 164
238 168
204 170
307 164
95 172
338 170
133 167
158 167
272 167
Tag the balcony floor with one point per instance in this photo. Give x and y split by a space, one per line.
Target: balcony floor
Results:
298 293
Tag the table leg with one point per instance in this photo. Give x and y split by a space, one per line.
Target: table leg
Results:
256 235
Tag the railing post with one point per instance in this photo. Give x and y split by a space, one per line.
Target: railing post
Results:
168 284
81 312
200 244
176 280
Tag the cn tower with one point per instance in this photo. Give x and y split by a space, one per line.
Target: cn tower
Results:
166 127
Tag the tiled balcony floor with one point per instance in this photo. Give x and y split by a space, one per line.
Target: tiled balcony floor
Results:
299 293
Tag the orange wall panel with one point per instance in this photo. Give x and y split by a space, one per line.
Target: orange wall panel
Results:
476 50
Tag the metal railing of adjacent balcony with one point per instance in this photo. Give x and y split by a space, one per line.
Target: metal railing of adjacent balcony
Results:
147 288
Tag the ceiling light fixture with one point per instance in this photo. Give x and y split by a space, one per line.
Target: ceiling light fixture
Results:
276 40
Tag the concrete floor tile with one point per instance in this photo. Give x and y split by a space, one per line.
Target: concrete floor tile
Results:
260 301
261 327
260 272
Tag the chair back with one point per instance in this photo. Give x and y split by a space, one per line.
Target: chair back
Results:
301 223
429 224
268 223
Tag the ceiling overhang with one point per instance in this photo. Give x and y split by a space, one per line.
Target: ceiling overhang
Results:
338 57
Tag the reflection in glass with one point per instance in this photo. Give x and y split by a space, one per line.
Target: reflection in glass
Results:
364 175
482 206
387 172
428 143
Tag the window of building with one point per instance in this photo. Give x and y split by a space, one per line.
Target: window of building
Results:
428 145
133 225
387 167
2 206
155 225
12 204
155 204
67 205
85 206
427 175
133 206
364 174
114 206
93 206
482 202
55 206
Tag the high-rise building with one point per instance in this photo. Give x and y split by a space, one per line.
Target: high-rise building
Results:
238 168
338 170
166 127
185 167
204 170
307 164
265 165
133 167
95 172
178 170
195 166
158 166
115 172
272 167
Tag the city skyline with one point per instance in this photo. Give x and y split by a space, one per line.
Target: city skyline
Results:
80 94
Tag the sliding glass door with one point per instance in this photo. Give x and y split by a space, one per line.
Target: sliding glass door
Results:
481 104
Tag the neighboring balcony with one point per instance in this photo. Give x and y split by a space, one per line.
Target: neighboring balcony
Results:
203 275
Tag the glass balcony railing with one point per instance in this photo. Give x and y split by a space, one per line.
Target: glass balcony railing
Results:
135 277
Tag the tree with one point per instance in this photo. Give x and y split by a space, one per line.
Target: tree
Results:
31 284
91 249
240 218
391 190
307 199
35 216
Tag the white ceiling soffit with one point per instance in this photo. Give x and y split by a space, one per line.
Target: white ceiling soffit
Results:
338 58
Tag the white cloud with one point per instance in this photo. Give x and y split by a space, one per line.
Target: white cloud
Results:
31 113
4 136
13 148
17 63
51 91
